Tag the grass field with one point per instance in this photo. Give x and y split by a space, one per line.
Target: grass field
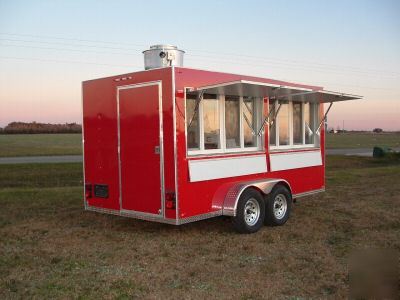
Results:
70 144
362 140
40 144
51 248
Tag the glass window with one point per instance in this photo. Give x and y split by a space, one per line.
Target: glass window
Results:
232 121
283 123
238 116
192 125
249 123
297 123
272 126
211 122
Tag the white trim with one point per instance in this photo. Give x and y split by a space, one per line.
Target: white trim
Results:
208 169
295 160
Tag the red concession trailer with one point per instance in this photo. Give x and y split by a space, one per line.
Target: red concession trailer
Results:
176 145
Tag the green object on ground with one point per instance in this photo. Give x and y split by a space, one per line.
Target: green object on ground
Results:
381 151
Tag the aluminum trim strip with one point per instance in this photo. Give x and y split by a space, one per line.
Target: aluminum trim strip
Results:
83 154
199 217
134 215
309 193
155 218
161 137
175 146
262 89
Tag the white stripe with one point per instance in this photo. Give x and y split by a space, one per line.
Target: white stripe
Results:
295 160
207 169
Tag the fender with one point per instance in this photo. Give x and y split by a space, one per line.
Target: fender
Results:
232 196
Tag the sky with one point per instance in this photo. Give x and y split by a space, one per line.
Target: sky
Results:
48 47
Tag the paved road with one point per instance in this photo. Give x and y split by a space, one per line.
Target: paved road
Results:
356 151
41 159
78 158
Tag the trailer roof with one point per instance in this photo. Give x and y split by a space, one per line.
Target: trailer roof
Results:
262 89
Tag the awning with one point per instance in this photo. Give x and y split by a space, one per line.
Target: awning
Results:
260 89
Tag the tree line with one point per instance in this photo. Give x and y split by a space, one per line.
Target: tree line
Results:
33 127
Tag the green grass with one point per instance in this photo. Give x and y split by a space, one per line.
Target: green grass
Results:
40 144
51 248
362 140
40 175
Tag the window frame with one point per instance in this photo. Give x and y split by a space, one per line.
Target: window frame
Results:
314 113
259 107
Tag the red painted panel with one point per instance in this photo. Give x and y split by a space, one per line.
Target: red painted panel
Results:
100 140
139 136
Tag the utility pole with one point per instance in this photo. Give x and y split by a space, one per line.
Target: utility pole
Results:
343 126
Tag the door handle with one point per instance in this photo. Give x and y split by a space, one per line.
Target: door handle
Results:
157 149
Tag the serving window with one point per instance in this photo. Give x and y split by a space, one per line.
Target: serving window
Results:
295 124
222 124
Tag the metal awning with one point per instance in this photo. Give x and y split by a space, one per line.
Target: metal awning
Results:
261 89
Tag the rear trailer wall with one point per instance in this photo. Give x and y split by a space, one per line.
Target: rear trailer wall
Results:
101 132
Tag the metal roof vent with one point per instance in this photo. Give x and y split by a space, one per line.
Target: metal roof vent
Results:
160 56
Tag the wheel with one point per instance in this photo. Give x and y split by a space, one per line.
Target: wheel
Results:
278 206
250 212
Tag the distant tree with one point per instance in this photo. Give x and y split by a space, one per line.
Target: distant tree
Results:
33 127
377 130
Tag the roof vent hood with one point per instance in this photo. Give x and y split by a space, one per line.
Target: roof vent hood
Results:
160 56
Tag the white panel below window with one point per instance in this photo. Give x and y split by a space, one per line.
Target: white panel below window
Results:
207 169
295 160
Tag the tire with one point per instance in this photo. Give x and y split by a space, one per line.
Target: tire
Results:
278 206
250 212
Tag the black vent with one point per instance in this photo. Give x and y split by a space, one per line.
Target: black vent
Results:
101 190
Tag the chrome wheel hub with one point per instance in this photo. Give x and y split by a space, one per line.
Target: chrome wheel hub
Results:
280 206
251 212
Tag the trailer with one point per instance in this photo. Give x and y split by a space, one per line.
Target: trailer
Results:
176 145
